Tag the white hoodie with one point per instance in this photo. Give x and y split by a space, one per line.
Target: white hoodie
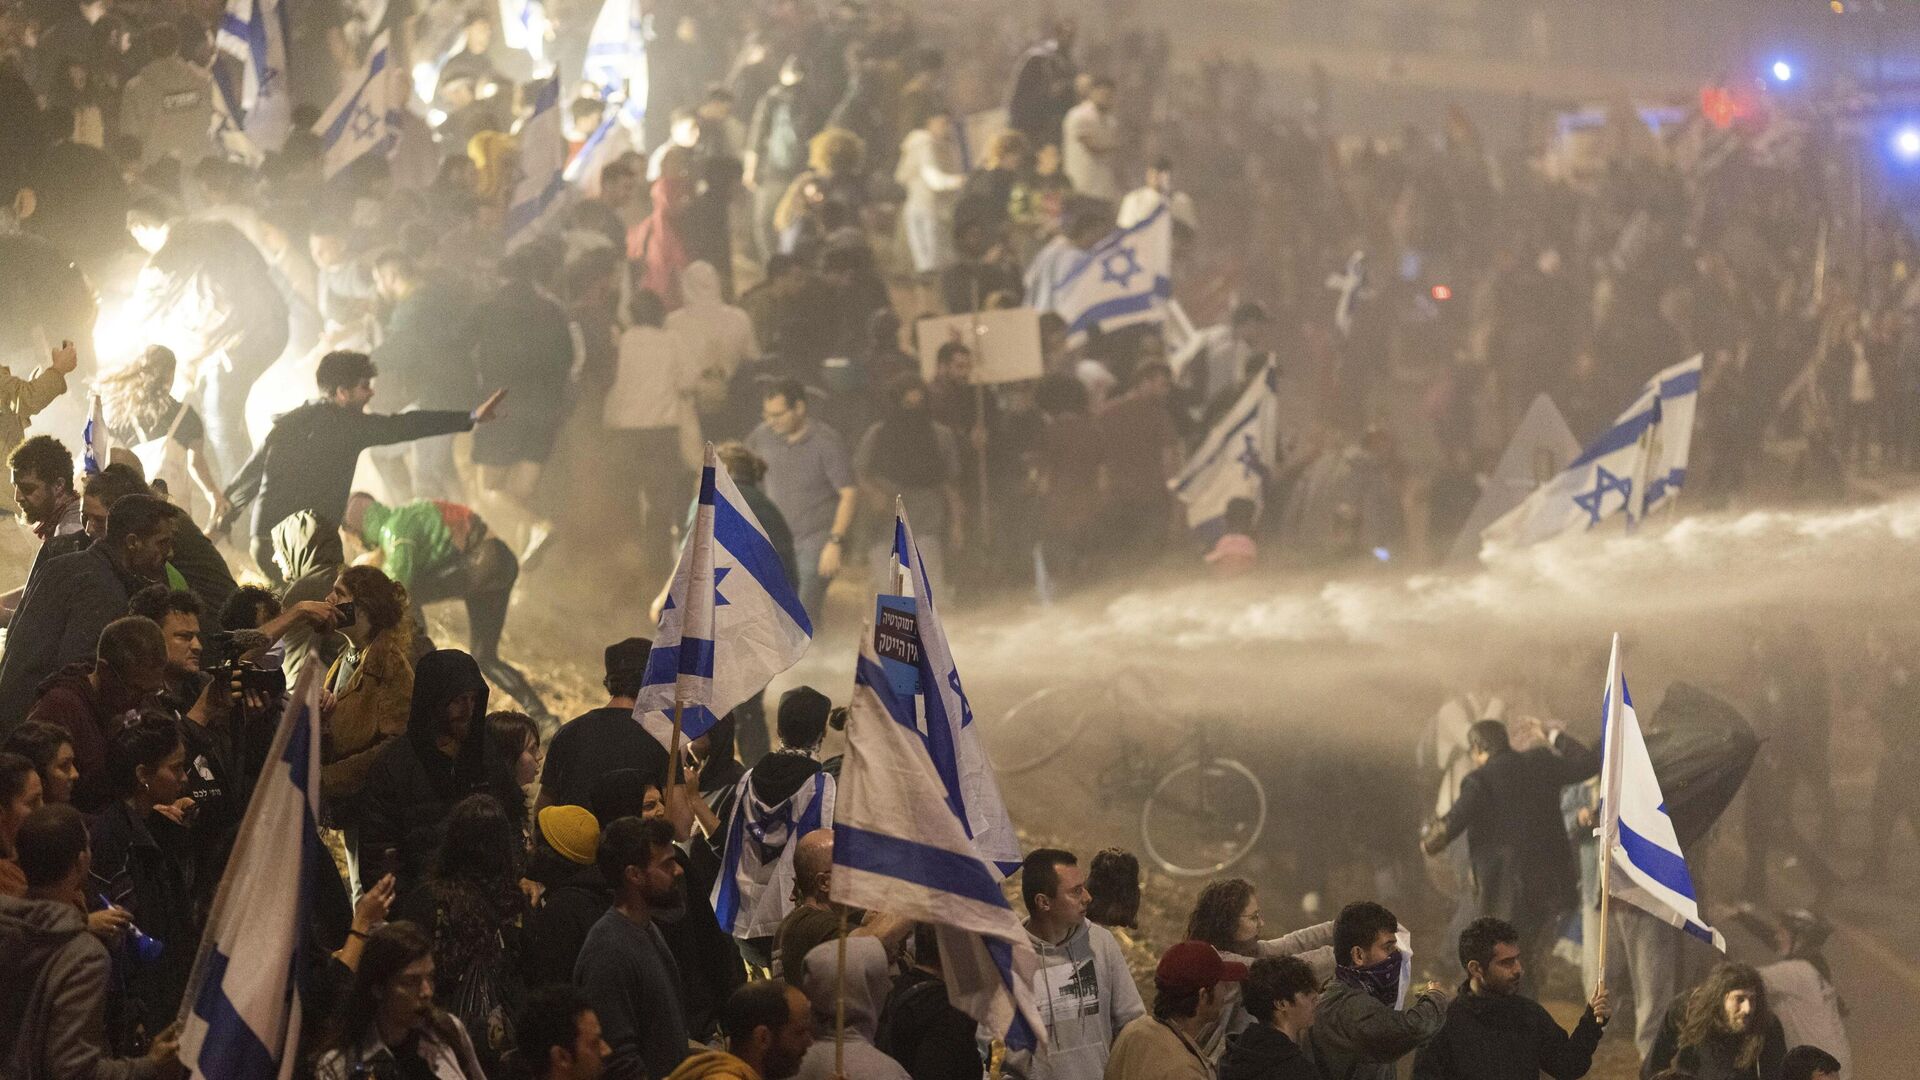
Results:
1085 995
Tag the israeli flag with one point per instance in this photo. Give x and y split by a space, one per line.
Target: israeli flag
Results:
254 32
96 444
1351 284
1123 280
754 891
1647 868
1632 469
947 718
543 163
242 1015
732 620
1235 462
607 142
525 26
901 845
617 57
366 116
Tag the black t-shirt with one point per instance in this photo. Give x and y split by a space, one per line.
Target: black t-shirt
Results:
593 744
190 432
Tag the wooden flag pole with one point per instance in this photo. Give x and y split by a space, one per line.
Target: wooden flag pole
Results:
673 754
1609 765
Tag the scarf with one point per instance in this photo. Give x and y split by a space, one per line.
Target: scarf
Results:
1381 980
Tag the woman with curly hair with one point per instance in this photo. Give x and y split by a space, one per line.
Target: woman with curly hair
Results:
1227 917
369 691
166 435
472 905
1723 1030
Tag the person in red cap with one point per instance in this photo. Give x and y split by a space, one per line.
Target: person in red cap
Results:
1165 1044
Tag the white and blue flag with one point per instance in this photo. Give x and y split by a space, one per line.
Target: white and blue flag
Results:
96 445
1236 461
1632 469
906 838
732 619
617 57
606 142
754 891
242 1015
1124 280
543 164
365 117
525 26
254 32
1351 284
1648 869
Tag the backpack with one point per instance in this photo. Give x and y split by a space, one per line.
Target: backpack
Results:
890 1038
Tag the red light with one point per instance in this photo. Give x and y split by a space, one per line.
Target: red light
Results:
1441 292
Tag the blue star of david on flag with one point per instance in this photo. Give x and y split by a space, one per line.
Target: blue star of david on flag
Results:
1119 267
1603 482
364 122
719 575
1252 464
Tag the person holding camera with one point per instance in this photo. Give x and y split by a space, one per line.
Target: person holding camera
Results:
227 708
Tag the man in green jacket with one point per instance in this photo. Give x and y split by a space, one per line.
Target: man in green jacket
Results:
443 551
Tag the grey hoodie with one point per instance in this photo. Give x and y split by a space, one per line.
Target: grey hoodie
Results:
53 1004
868 982
1085 995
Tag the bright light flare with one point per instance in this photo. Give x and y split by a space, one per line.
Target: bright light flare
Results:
1782 71
1906 144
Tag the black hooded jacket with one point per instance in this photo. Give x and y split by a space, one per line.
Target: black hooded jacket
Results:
412 785
575 898
1503 1036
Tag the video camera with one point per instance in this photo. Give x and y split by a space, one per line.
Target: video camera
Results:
224 658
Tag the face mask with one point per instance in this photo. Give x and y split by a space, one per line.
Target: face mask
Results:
1381 980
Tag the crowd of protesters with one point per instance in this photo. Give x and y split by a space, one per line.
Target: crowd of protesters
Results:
746 267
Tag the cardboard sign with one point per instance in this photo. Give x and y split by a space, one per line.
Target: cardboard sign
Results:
896 639
1005 343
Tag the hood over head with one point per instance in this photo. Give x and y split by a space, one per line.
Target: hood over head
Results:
305 543
439 677
700 286
868 982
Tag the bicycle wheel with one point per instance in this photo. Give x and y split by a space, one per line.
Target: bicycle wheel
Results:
1203 817
1038 728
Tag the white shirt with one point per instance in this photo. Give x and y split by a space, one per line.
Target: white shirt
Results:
653 375
1090 170
1142 201
928 169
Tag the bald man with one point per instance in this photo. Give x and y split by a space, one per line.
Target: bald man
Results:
816 918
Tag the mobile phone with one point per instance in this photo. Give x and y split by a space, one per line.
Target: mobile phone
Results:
346 613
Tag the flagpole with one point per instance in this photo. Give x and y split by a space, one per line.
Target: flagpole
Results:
673 754
1609 802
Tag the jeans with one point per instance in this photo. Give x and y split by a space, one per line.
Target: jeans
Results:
484 579
812 587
